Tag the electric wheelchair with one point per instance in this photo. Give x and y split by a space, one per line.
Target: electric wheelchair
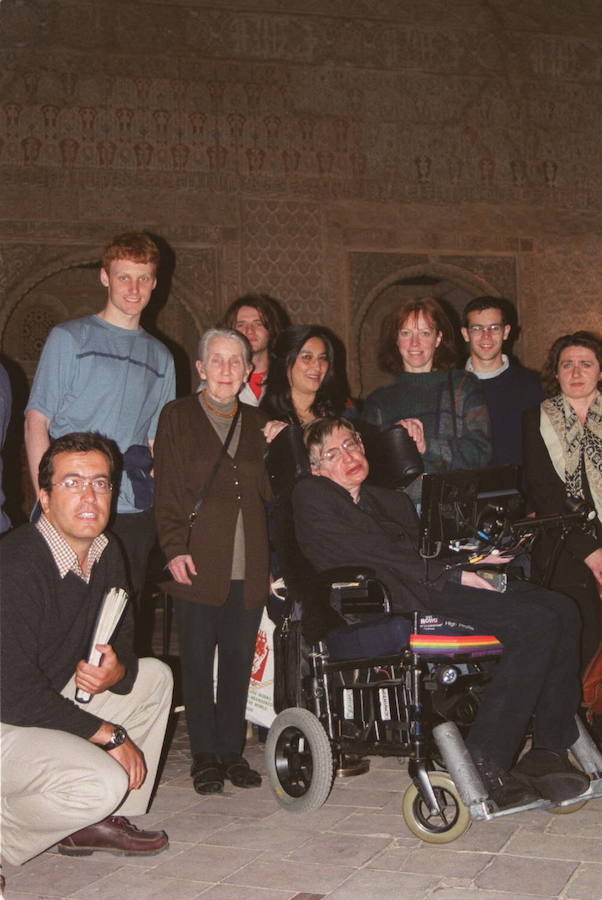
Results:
414 705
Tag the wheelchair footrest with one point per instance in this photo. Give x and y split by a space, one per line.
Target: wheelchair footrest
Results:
486 810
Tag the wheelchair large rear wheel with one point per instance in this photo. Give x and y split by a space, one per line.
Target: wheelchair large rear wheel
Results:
436 828
299 760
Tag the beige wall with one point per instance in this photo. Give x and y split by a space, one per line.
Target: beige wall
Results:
320 152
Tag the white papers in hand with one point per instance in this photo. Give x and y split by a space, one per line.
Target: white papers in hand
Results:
108 618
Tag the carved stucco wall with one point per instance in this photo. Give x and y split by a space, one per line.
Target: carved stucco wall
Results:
312 150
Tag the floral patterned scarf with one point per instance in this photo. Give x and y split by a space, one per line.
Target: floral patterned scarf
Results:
574 447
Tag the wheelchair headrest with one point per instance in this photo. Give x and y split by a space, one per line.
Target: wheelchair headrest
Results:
393 456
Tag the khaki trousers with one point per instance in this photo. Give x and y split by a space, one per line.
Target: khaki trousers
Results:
54 783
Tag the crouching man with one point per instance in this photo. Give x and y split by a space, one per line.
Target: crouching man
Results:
68 767
341 521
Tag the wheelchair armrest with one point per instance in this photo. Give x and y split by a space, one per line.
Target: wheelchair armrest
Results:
346 575
355 591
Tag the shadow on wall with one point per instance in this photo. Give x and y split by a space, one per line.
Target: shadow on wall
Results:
15 479
157 304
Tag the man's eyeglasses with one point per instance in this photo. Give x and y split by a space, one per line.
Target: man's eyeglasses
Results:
350 445
79 485
493 329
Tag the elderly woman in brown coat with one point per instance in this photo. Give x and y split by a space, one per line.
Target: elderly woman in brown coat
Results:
220 563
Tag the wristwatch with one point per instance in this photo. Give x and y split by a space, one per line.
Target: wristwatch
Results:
117 738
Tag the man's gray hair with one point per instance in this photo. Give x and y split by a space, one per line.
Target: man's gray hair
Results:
213 333
317 433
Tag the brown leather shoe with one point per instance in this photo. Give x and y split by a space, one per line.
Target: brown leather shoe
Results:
114 835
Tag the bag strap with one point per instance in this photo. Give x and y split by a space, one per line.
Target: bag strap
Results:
205 489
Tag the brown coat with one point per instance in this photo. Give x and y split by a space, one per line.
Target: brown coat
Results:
186 448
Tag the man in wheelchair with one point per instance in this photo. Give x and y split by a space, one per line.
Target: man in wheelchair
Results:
340 520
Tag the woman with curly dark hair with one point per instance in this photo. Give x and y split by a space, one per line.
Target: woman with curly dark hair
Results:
442 407
563 461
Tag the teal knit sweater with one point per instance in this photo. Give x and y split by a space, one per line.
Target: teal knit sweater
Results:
427 396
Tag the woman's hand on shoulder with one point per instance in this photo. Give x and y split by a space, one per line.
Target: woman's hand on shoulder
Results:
182 567
273 428
415 429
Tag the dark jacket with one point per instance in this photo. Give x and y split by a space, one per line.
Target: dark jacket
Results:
381 532
546 493
185 449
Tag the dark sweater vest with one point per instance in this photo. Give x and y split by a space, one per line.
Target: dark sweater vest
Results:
46 624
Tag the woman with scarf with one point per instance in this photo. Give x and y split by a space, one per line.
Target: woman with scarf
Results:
563 460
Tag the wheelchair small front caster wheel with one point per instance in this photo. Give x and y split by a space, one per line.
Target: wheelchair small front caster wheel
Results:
299 760
436 828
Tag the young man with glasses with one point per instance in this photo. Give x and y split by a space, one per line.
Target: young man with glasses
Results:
509 388
68 766
341 521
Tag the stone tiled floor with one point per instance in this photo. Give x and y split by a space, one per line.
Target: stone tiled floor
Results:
242 846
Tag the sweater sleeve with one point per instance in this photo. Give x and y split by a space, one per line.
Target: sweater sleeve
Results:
28 697
51 383
470 447
170 503
168 393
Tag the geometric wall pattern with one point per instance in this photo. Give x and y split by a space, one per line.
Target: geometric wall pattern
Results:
303 149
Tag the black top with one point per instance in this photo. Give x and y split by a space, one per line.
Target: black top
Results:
508 395
46 624
546 493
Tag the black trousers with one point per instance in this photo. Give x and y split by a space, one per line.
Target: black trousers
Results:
538 674
137 535
216 726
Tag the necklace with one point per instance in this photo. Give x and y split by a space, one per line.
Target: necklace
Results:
217 412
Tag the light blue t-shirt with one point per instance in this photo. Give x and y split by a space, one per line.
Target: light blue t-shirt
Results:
94 376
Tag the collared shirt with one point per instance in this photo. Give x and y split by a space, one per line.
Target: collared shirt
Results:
484 375
65 556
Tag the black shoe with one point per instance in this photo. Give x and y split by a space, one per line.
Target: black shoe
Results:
207 775
502 787
551 773
236 768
